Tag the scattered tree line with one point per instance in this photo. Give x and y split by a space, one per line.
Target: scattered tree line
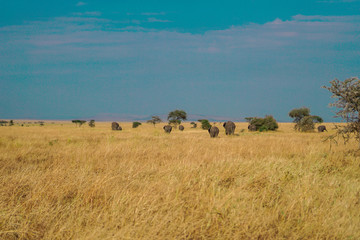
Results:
346 95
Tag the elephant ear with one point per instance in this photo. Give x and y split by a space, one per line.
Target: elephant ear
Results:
209 130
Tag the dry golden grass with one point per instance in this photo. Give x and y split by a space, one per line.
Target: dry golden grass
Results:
63 182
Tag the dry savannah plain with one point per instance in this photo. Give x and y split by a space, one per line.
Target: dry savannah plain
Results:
59 181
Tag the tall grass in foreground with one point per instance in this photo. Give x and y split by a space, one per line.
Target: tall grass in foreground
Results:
65 182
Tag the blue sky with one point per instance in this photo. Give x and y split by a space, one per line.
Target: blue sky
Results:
78 59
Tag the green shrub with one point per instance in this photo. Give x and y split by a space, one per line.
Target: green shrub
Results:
264 124
205 124
306 124
136 124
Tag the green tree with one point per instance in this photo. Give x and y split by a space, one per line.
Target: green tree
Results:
299 113
11 123
175 117
194 125
205 124
154 120
347 99
304 122
248 119
78 122
92 123
136 124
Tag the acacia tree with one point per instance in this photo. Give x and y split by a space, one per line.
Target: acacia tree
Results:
175 117
347 99
80 122
154 120
92 123
304 122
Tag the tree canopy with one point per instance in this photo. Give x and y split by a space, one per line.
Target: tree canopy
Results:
154 120
175 117
347 99
92 123
304 121
78 122
299 113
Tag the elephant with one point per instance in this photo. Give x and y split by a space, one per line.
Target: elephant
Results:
181 128
229 127
252 127
167 128
115 126
321 128
213 131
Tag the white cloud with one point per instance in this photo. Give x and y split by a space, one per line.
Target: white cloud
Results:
157 20
79 4
320 18
152 13
252 58
90 14
73 34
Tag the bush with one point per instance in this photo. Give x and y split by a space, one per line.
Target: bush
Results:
194 125
205 124
264 124
136 124
306 124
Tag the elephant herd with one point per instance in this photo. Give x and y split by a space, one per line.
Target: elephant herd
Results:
213 131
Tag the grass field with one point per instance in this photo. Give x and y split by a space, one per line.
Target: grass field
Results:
59 181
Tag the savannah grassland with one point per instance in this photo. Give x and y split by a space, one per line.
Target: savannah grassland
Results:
66 182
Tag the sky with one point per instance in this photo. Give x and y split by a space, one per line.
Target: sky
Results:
235 59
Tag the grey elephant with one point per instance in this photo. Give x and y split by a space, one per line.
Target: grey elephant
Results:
229 127
167 128
252 127
181 128
213 131
321 128
115 126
